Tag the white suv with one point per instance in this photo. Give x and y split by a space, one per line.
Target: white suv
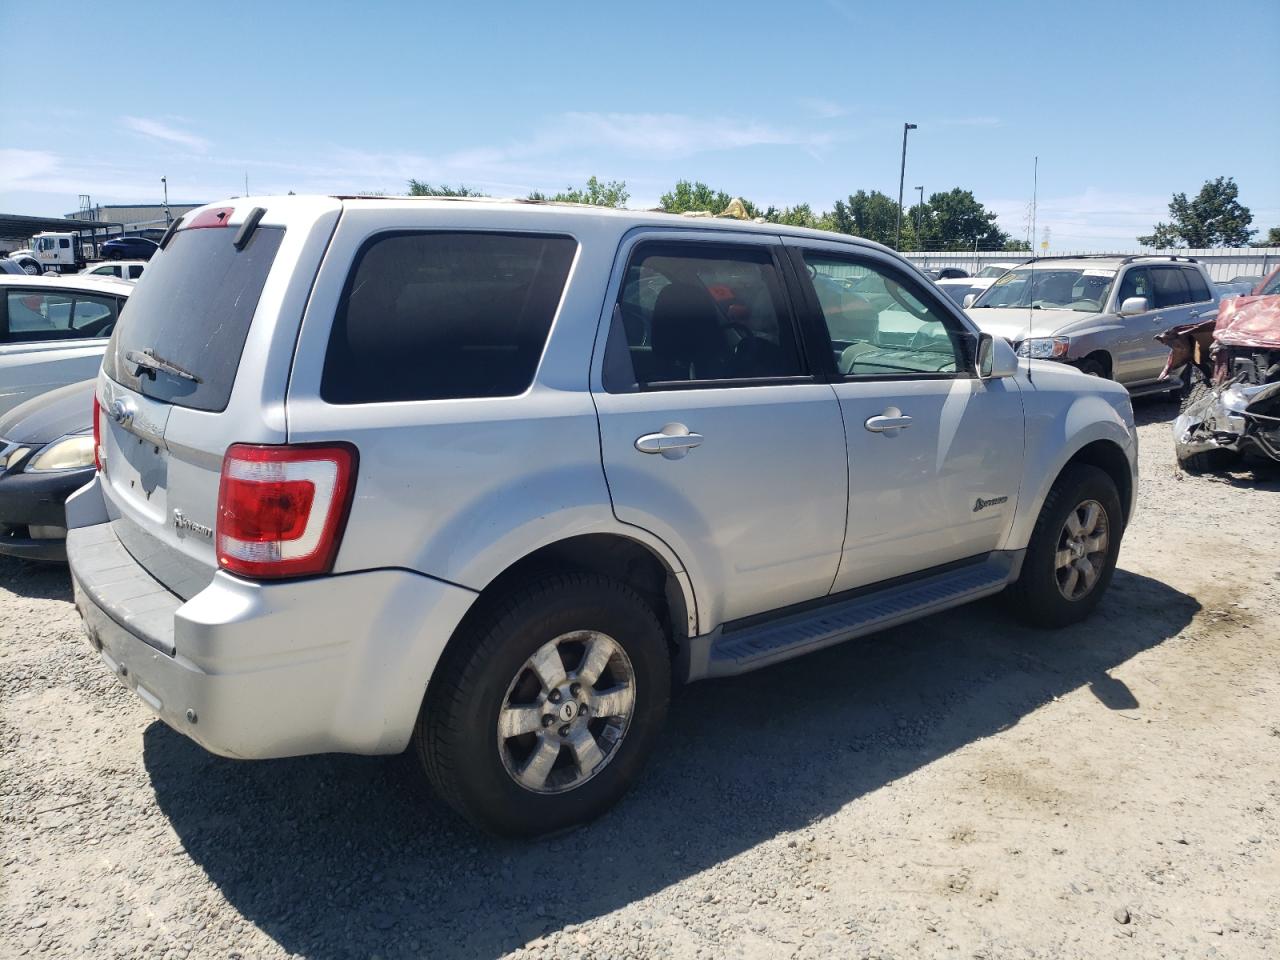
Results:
482 479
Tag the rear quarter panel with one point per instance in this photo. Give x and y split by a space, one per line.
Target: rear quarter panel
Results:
30 369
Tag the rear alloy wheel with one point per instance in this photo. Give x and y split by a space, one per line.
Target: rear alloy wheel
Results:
546 704
1072 553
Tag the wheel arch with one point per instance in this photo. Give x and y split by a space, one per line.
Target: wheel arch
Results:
1108 457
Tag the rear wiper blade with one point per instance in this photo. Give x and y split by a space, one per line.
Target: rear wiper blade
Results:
148 361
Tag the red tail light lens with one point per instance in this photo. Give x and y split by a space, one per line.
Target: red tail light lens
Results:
282 510
97 433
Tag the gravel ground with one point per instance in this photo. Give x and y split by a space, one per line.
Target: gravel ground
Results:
961 787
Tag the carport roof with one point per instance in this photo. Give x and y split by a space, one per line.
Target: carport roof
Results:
18 225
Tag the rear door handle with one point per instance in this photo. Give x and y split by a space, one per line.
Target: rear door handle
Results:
889 422
673 441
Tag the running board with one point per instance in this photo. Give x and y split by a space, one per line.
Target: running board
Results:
731 650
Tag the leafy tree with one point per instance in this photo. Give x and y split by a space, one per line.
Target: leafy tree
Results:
1214 218
418 188
597 194
955 220
871 215
1015 246
801 215
1272 239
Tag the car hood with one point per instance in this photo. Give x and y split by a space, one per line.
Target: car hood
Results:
1011 322
51 415
1249 322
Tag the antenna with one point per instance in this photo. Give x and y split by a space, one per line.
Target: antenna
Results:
1035 191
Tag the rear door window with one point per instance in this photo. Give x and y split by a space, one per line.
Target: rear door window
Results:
36 316
1197 288
1170 287
194 312
437 315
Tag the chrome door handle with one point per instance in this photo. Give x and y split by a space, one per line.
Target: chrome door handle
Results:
889 422
673 441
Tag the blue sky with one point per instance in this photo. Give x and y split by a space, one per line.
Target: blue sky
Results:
783 103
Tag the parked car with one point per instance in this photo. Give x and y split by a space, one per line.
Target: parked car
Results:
478 479
128 248
46 453
1233 406
1233 288
946 273
12 267
956 290
1099 314
124 269
27 261
53 331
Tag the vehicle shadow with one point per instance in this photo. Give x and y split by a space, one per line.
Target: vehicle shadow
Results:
1155 409
338 856
35 580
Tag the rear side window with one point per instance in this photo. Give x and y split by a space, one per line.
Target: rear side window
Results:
193 312
1199 290
1170 287
34 316
437 316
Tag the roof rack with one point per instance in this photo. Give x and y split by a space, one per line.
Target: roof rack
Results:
1158 256
1113 256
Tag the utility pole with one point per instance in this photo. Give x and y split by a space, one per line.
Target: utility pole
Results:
168 217
902 179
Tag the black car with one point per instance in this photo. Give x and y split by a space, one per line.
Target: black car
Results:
129 248
947 273
46 454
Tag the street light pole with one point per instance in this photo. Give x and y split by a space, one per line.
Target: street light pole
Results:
902 179
919 219
168 217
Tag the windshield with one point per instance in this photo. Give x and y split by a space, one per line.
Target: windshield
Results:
1041 288
992 270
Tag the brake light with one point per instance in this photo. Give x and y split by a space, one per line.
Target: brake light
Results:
282 509
97 433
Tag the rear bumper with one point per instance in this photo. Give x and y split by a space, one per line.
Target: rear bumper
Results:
254 670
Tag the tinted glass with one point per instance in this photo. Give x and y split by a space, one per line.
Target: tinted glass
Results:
1197 289
432 316
194 311
881 324
35 316
1136 283
1083 289
699 314
1169 286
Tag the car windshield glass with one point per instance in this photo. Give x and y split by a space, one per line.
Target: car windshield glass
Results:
992 270
1051 288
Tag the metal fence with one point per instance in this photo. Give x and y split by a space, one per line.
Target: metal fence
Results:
1222 263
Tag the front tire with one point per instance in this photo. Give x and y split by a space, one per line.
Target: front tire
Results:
546 706
1072 554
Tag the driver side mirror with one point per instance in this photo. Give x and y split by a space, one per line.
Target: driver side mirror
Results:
969 298
996 358
1132 306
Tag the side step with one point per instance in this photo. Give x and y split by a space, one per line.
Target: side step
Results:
730 650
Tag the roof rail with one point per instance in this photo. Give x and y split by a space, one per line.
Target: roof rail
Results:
1113 256
1158 256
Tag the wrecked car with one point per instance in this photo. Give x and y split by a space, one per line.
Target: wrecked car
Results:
1233 368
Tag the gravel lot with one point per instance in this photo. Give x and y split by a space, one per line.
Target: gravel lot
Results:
962 787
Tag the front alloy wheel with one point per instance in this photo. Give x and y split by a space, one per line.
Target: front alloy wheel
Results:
566 712
1082 550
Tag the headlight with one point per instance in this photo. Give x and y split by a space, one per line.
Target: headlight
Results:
69 453
1044 348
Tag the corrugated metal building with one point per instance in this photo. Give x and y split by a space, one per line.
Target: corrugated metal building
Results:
140 220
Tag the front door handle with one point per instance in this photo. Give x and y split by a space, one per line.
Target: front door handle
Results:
673 441
889 423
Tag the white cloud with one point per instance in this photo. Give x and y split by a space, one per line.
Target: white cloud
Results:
158 130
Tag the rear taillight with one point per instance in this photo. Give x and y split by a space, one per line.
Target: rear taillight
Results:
97 433
282 510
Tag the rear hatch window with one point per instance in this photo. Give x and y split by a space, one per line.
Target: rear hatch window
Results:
191 316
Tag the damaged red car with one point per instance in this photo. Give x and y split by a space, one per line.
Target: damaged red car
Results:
1232 363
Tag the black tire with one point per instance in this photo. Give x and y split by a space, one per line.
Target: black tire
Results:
115 254
1092 367
1205 461
456 740
1035 596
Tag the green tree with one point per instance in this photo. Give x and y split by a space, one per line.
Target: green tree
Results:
1214 218
801 215
417 188
1272 239
596 194
871 215
1016 246
955 220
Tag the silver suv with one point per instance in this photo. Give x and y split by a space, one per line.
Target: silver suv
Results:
482 479
1100 314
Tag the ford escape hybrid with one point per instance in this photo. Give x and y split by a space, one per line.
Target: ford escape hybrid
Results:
481 479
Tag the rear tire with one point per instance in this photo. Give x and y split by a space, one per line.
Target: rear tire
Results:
493 681
1046 594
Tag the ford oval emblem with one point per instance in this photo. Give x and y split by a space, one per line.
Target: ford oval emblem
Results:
121 411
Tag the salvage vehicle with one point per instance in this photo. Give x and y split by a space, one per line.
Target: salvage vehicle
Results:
479 479
1233 362
46 454
124 269
1098 313
53 331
